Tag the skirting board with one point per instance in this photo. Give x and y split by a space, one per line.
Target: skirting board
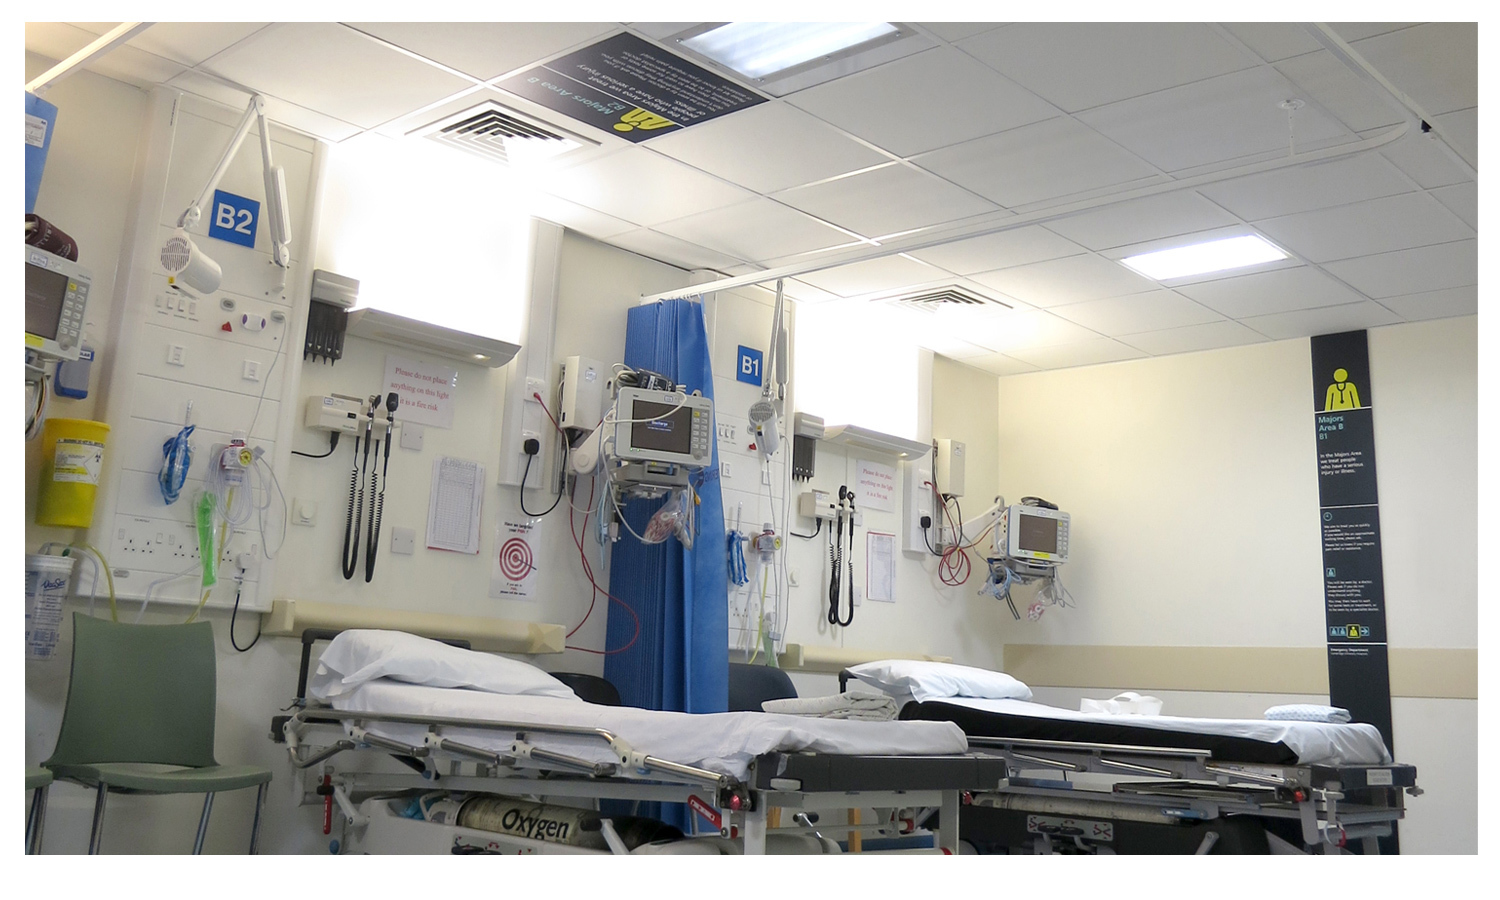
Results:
291 617
1415 671
802 658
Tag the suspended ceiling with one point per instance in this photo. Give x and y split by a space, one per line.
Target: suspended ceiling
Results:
967 120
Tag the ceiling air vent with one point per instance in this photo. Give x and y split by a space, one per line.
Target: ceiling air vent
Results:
502 135
950 297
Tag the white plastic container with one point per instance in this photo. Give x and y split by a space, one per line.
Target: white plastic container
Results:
47 579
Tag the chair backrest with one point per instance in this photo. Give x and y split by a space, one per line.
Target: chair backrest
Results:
752 685
139 693
589 687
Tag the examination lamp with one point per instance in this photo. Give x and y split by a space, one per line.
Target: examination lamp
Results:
184 260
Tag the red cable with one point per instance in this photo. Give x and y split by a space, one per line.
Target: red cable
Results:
588 571
549 413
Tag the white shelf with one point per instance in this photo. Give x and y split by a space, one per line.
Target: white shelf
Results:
412 334
875 441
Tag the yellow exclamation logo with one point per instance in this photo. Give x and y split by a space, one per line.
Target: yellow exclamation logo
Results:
646 121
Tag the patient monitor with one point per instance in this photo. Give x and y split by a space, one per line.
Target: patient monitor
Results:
1032 533
663 427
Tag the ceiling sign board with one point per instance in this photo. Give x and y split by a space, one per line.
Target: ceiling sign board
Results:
631 87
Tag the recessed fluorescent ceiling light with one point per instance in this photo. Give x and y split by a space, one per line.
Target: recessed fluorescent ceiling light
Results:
759 49
1197 259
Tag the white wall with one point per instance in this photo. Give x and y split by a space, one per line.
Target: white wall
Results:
1192 486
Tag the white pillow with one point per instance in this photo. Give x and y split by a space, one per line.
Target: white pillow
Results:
1309 712
921 680
363 654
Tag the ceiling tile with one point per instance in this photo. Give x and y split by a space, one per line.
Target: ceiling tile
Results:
1411 271
1028 244
277 110
670 250
1424 160
59 40
1367 228
1083 353
1071 280
956 349
1328 320
1463 199
1322 79
486 50
1444 304
190 43
1165 215
1038 162
1081 65
1302 188
1132 314
1262 293
1357 31
310 64
1461 128
1014 329
888 274
579 218
1274 40
803 292
1435 63
884 201
1217 120
1000 364
957 31
769 147
639 186
758 230
1192 338
923 102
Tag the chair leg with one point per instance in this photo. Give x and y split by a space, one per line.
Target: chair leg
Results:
36 821
98 831
208 805
260 802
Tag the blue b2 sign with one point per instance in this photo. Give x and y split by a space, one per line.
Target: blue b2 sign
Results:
749 367
233 218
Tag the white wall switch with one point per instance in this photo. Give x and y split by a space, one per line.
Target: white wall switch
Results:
411 435
176 355
403 541
304 512
252 370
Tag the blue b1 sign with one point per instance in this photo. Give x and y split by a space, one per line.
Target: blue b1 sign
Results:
749 367
233 218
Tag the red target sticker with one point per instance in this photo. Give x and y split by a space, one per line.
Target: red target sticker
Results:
515 559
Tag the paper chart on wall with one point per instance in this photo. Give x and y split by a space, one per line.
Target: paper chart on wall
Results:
880 566
453 508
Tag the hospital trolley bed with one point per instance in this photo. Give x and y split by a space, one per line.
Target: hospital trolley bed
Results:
732 769
1175 784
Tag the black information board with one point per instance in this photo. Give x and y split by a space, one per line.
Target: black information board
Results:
631 87
1349 507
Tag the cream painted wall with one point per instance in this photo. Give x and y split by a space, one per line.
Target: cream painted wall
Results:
1192 486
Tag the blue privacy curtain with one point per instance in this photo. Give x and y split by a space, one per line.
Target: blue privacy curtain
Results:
680 660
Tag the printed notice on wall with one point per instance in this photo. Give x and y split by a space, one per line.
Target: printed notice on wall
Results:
874 485
426 391
513 570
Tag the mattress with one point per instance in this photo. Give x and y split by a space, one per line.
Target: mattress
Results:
1229 740
720 742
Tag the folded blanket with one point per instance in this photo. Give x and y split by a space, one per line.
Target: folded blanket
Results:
848 705
1308 712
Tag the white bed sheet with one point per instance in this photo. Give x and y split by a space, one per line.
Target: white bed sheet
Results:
721 742
1315 743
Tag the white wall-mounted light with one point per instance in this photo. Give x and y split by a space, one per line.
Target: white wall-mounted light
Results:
1210 256
761 49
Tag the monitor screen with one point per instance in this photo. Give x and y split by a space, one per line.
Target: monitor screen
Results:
671 434
1037 534
45 290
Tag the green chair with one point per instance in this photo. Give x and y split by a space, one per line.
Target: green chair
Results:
140 718
37 779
